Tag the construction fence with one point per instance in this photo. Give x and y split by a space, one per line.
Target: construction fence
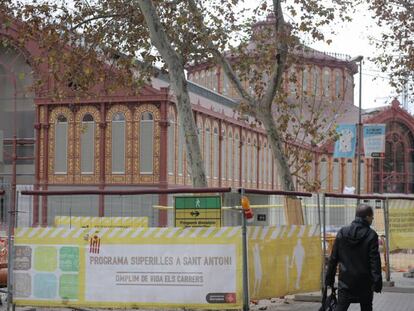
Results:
164 240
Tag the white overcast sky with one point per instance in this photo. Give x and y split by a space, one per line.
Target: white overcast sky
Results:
353 39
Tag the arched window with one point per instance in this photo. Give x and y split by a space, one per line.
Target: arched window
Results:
292 81
323 174
349 86
315 81
207 150
249 160
254 162
209 78
146 143
395 172
243 162
269 163
87 144
335 175
214 79
338 83
223 155
276 176
312 173
61 145
200 136
180 151
216 160
171 144
225 83
305 81
230 156
236 157
326 82
118 143
263 169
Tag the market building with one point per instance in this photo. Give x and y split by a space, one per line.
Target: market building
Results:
128 141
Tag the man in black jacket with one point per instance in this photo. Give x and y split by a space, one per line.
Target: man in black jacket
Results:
356 251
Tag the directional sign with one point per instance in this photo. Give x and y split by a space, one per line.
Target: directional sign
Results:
197 211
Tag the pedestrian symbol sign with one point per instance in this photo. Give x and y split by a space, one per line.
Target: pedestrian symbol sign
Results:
197 211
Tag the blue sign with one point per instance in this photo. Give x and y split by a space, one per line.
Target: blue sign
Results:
345 145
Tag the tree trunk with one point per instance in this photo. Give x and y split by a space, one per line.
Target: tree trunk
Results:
179 85
265 115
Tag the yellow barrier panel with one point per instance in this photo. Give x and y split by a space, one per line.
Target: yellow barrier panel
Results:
100 222
401 224
284 260
129 268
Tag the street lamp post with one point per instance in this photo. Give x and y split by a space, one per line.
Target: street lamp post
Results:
359 59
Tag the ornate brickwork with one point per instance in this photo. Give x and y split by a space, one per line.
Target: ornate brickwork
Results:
41 146
243 156
223 142
207 125
154 177
230 157
129 156
173 124
79 177
53 177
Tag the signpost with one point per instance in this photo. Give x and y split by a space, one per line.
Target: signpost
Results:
1 151
198 211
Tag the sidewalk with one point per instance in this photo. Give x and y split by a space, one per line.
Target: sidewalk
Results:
386 301
382 302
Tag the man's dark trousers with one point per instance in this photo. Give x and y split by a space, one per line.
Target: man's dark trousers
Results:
345 306
344 302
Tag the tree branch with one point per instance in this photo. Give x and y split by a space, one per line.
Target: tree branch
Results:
178 82
220 57
93 18
281 58
234 79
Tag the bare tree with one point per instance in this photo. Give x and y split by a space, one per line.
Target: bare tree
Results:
395 46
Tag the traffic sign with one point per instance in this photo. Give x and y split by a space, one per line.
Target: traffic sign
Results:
197 211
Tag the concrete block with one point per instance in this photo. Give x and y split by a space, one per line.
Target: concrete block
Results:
408 275
309 297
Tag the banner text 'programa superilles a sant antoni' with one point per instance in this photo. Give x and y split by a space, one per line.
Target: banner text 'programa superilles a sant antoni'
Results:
133 267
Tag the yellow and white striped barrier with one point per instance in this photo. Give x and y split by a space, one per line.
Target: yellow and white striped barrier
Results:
100 222
401 224
284 260
129 267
